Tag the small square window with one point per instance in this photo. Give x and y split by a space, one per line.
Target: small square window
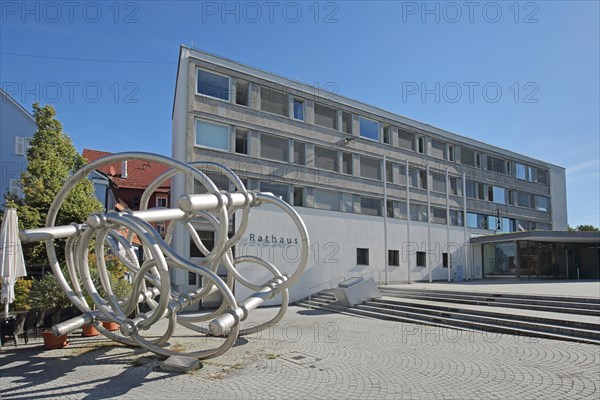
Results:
135 202
299 109
160 228
362 256
394 257
421 258
161 202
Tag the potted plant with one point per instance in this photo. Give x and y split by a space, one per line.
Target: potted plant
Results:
47 295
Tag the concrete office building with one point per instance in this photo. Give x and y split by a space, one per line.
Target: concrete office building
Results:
353 172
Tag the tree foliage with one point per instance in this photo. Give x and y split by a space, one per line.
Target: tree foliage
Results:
51 159
584 228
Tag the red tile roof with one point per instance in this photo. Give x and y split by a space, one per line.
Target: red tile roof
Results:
140 173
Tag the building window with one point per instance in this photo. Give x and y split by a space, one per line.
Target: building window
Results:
214 136
274 101
213 85
444 260
21 145
456 218
161 202
362 256
370 206
451 156
160 228
370 168
467 157
278 190
274 147
389 209
438 182
402 173
499 195
394 257
299 196
347 202
325 116
496 165
455 186
402 210
299 109
369 129
241 141
478 221
421 258
406 140
524 200
418 178
418 212
438 149
208 240
326 159
346 122
389 172
438 215
15 188
470 187
299 153
421 145
135 202
241 92
192 278
542 176
542 203
387 135
326 199
347 163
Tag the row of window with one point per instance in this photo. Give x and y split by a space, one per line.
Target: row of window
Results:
277 148
362 258
279 102
500 195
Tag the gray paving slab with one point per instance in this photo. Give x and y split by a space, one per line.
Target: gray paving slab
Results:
313 354
540 288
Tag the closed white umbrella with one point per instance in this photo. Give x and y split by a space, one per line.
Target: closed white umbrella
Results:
12 263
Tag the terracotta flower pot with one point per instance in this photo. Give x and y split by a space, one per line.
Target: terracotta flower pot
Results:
89 330
111 326
53 342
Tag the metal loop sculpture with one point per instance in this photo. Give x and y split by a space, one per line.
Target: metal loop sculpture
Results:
151 282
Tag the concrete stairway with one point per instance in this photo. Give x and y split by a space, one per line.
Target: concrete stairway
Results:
540 316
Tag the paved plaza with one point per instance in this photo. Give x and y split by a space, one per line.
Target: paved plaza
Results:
314 355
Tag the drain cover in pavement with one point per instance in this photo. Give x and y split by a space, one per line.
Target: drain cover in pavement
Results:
299 358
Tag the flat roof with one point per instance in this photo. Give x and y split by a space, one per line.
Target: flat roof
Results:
315 91
541 236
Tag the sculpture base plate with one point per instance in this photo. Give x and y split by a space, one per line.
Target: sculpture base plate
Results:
180 364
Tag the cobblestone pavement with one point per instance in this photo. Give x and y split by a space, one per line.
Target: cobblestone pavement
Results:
314 355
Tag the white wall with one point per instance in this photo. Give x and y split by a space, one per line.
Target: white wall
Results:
334 237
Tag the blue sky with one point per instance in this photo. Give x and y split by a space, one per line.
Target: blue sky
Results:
520 75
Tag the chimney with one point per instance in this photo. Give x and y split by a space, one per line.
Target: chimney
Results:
124 169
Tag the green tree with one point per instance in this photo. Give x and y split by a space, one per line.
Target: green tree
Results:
51 159
586 228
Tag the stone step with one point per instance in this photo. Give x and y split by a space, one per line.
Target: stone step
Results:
496 302
551 318
465 319
448 323
578 302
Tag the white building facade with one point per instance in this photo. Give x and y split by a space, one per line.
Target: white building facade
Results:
382 195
